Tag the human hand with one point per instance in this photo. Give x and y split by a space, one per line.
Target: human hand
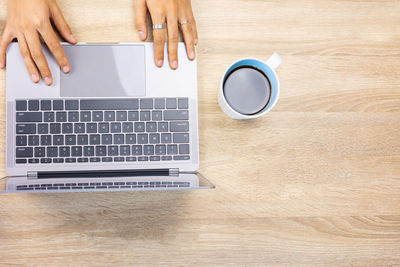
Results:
171 12
26 19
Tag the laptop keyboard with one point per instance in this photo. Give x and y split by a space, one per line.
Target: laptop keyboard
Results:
102 130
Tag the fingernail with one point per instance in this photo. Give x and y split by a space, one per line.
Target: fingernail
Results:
174 64
1 65
195 41
35 78
160 62
47 80
191 55
65 69
72 38
141 33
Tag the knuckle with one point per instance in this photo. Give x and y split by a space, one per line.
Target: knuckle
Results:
159 42
36 55
174 37
24 54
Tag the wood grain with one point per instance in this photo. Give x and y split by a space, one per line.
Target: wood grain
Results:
315 182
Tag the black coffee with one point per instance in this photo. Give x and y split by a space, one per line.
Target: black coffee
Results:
247 90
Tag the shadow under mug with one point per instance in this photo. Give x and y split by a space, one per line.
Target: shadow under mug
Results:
268 69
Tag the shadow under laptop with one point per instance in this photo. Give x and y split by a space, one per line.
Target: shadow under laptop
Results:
124 215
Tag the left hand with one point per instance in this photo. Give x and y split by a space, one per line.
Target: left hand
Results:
171 12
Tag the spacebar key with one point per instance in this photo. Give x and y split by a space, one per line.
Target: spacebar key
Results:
109 104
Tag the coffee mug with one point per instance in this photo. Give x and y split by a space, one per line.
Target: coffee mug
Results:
250 88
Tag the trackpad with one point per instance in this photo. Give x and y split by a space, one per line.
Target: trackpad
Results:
104 71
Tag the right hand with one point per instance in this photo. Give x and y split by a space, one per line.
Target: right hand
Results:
26 19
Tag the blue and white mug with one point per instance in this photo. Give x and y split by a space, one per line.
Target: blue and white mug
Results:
268 69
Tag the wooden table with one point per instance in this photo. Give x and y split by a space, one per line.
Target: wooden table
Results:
315 182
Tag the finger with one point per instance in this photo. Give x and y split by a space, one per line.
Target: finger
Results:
140 18
192 22
189 40
26 56
6 39
60 23
173 37
35 48
159 40
54 46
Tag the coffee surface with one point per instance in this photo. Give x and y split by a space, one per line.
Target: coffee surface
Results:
247 90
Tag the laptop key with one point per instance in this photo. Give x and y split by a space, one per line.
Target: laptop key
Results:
139 127
52 152
104 127
21 140
156 115
165 138
43 128
184 149
48 116
91 127
109 116
163 126
166 158
21 105
130 139
58 160
127 127
112 150
73 116
118 139
94 139
58 140
33 105
86 116
64 151
95 160
136 150
70 140
45 105
142 139
40 152
181 137
121 116
26 128
106 139
179 126
182 157
144 115
33 140
88 151
70 160
148 150
45 140
29 117
20 161
183 103
24 152
125 150
143 158
101 151
171 103
161 150
71 104
58 104
55 128
116 127
82 139
76 151
61 116
172 149
159 103
170 115
119 159
83 160
130 159
79 127
109 104
151 127
45 160
133 115
155 158
67 128
106 159
154 138
97 115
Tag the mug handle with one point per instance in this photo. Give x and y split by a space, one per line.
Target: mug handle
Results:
274 61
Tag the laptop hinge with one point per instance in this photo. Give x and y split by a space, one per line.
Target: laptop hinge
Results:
102 173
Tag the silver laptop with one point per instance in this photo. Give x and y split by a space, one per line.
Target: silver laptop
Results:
116 122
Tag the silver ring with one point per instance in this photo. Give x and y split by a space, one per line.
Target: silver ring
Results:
183 22
158 27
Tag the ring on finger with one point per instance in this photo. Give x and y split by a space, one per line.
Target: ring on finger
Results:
158 26
183 22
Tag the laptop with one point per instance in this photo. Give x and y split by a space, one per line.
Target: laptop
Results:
116 122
